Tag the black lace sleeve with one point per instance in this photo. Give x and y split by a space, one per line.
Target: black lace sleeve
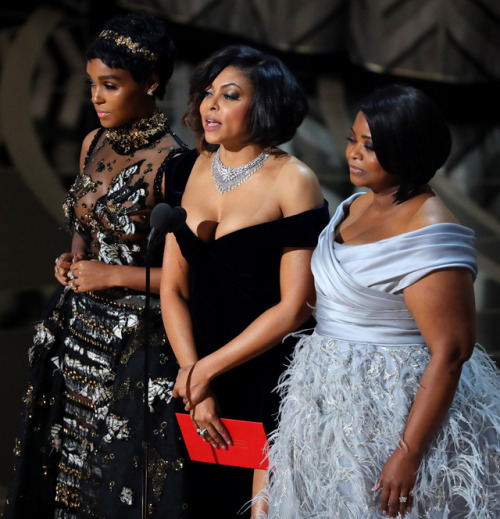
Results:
93 144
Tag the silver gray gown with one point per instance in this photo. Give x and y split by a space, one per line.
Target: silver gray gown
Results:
350 385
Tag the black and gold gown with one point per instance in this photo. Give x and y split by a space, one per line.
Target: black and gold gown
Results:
81 453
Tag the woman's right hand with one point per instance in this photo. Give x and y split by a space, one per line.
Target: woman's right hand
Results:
205 416
62 266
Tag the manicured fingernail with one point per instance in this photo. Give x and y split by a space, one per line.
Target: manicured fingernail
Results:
224 447
214 445
229 443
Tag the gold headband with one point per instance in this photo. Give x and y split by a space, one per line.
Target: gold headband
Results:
125 40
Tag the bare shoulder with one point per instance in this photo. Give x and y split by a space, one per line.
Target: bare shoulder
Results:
204 159
201 165
428 209
297 185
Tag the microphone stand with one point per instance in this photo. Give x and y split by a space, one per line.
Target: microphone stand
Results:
147 326
163 220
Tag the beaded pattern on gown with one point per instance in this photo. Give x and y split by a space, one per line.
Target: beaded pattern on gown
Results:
81 455
350 385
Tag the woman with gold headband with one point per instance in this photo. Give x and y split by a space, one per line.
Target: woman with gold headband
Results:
81 452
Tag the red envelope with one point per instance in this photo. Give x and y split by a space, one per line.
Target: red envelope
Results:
249 447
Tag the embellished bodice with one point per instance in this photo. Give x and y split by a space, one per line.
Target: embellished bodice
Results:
360 287
110 201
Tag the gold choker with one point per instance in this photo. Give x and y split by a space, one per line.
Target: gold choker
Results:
131 137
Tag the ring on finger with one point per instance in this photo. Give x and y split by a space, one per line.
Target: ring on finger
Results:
202 432
70 274
403 499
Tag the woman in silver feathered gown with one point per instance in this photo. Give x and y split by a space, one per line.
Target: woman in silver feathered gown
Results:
389 409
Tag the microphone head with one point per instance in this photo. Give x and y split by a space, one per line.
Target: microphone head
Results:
177 219
160 217
165 218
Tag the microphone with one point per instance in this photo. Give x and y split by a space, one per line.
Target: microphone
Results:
164 219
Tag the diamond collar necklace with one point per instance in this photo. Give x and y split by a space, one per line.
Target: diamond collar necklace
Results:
226 179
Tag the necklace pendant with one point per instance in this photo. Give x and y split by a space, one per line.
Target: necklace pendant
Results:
226 178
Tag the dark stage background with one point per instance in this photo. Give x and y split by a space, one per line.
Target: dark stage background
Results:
339 49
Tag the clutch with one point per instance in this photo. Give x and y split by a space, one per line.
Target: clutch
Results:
249 447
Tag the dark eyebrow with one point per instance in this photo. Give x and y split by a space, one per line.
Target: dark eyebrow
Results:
231 84
369 137
106 77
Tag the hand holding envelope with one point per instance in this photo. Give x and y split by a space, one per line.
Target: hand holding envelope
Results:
249 447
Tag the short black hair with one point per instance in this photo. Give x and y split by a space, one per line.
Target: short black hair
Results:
279 103
148 32
410 135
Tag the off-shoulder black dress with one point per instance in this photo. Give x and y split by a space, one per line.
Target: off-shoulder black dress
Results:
233 280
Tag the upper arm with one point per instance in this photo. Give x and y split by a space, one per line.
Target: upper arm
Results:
175 269
298 188
299 191
296 280
442 304
85 147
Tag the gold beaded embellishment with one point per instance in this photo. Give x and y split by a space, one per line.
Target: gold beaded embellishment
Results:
125 40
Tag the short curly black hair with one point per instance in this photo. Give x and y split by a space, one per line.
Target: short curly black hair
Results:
410 135
148 32
279 103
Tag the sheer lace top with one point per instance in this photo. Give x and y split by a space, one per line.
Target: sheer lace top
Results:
110 201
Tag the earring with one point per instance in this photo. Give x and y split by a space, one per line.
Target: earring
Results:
151 92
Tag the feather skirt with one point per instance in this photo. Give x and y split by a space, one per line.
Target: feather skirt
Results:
343 411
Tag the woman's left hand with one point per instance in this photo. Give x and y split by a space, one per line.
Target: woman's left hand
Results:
89 275
397 480
206 418
191 386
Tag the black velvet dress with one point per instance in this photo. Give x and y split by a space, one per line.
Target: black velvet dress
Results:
233 280
80 454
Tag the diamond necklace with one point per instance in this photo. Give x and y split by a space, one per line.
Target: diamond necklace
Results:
226 178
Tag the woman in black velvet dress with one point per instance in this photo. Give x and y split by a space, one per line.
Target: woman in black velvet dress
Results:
81 453
238 278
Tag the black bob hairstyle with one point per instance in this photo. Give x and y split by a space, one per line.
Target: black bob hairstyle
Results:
410 136
279 103
148 32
